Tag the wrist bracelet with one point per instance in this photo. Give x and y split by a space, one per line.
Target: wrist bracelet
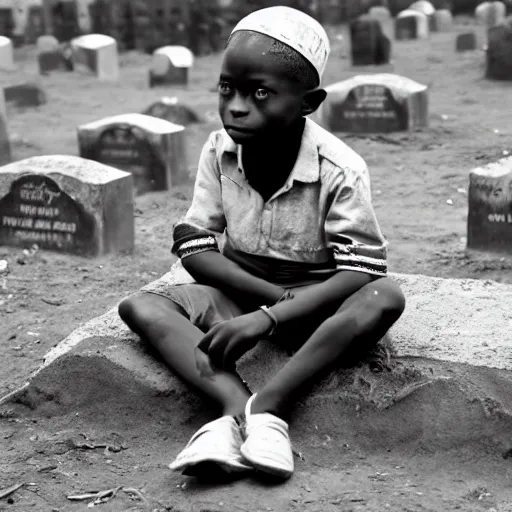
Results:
272 317
287 295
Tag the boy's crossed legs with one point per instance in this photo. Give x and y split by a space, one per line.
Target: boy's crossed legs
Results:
362 318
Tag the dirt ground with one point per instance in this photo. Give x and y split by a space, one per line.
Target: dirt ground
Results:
419 182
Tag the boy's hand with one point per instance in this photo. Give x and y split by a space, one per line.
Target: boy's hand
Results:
227 341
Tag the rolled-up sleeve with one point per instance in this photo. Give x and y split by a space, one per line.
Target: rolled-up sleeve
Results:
351 226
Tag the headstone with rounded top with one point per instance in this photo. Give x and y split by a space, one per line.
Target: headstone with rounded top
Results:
426 8
5 145
383 15
6 54
499 52
489 225
97 54
376 103
411 24
152 149
25 95
49 54
170 66
369 45
170 109
466 42
442 21
490 14
67 204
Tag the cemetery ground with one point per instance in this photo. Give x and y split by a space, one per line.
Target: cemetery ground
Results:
419 182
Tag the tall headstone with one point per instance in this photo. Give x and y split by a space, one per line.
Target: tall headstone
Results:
374 103
170 65
170 109
6 54
383 15
499 52
152 149
24 95
66 204
35 26
61 18
97 54
442 21
490 14
490 207
5 145
369 45
7 23
466 42
427 9
411 24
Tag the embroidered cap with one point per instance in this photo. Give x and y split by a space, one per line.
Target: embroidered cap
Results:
292 27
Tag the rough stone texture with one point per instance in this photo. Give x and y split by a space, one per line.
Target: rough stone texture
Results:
152 149
374 103
170 66
490 207
25 95
490 14
68 204
171 110
411 24
466 42
96 53
6 53
442 21
5 145
369 45
499 52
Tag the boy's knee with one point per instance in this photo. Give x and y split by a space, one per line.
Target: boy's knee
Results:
135 310
386 299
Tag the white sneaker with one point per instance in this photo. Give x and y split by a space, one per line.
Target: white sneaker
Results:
215 444
267 446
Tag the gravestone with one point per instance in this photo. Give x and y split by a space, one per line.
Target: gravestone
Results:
369 45
490 14
35 26
382 15
24 95
170 109
6 54
490 207
374 103
170 66
61 18
466 42
66 204
5 145
152 149
499 52
442 21
427 9
6 20
49 55
411 24
97 54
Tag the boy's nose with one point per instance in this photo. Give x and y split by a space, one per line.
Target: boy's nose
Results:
238 107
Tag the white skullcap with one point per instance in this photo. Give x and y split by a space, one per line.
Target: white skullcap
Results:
294 28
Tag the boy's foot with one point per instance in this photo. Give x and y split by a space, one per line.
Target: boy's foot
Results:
215 445
267 446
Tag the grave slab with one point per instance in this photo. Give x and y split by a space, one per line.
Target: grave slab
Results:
6 54
374 103
499 52
66 204
466 42
170 109
410 24
5 145
152 149
489 225
25 95
170 66
96 54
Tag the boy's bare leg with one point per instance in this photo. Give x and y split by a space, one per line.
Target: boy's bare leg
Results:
163 324
366 315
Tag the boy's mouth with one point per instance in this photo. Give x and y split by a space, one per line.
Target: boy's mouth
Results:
238 129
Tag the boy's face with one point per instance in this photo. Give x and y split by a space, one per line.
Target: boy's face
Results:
257 101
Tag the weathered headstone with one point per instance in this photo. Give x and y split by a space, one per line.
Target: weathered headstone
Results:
490 207
369 45
383 15
152 149
170 109
170 65
6 53
96 53
499 52
5 145
411 24
466 42
490 14
66 204
49 54
442 21
427 9
25 95
6 20
35 26
374 103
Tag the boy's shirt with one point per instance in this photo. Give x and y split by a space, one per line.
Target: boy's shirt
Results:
319 222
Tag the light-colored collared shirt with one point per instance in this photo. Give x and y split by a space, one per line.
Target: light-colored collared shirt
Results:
322 214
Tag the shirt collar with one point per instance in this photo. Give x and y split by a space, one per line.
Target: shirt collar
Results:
307 166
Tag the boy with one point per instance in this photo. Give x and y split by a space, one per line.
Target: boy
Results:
304 260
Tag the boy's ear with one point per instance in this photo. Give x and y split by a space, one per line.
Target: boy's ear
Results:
312 100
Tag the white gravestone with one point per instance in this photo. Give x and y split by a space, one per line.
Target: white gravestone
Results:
411 24
442 21
378 103
490 14
152 149
170 65
96 53
5 145
6 54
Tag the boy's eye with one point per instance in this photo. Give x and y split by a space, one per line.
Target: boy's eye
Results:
225 88
261 94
